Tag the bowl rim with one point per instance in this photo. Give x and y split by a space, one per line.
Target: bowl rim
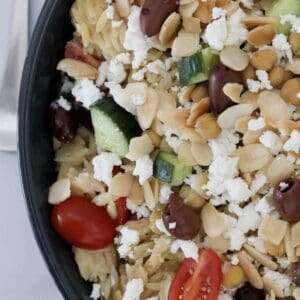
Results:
23 144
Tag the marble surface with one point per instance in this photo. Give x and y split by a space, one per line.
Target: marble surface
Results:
24 274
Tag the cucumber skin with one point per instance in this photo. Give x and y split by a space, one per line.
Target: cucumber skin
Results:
283 7
167 168
122 119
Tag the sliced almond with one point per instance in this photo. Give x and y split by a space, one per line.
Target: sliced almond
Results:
272 230
136 194
198 182
185 44
77 69
295 235
167 101
192 25
219 244
227 118
234 58
261 258
296 293
241 124
275 250
169 29
149 196
207 126
252 137
279 111
204 11
192 135
198 109
174 119
202 153
185 154
59 191
212 221
121 184
147 111
261 35
187 10
139 147
294 67
290 250
253 157
198 93
252 22
250 271
233 91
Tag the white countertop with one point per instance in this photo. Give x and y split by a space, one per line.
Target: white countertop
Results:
23 272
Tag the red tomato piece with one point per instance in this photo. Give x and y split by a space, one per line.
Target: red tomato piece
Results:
198 280
83 224
123 213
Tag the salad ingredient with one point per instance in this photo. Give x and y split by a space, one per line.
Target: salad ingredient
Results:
153 15
294 40
234 58
196 68
186 222
114 126
168 168
297 273
207 126
261 35
280 8
290 91
83 224
198 280
286 198
122 211
63 123
264 59
233 276
169 29
219 76
248 292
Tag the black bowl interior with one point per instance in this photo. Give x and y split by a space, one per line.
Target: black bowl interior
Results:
39 86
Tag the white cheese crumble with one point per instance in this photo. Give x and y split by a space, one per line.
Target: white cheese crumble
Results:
63 103
141 211
293 143
271 141
282 46
256 124
189 248
283 186
257 243
116 71
281 280
236 238
164 193
157 67
143 169
95 294
263 82
293 20
258 182
139 75
283 262
103 165
248 3
238 190
127 239
103 73
86 92
134 289
218 12
263 207
234 260
135 40
216 33
67 85
249 220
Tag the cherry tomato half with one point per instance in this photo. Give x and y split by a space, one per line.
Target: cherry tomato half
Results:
198 280
83 224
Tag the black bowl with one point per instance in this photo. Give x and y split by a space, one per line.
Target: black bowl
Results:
39 86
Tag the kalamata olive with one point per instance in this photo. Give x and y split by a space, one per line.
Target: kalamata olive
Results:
180 219
248 292
154 13
63 123
297 274
286 198
219 76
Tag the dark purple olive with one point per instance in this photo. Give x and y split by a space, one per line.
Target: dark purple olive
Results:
249 292
286 198
63 123
297 274
219 76
154 13
180 219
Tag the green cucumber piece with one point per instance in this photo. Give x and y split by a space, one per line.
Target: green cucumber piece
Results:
168 168
196 68
114 126
283 7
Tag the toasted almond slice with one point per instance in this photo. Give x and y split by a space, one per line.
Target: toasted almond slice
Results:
295 66
169 29
253 157
202 153
290 250
59 191
212 221
234 58
148 194
192 24
250 271
272 230
174 119
187 10
261 258
136 194
121 185
147 111
219 244
233 91
198 109
252 22
167 101
274 250
185 44
185 155
227 118
279 111
139 147
295 235
261 35
77 69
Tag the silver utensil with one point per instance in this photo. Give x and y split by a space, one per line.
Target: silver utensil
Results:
9 87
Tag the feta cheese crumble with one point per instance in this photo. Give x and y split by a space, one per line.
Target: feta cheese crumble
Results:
143 169
95 294
128 238
189 248
256 124
164 193
293 20
134 289
238 190
271 141
86 92
293 143
263 82
283 186
63 103
281 44
103 165
141 211
281 280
